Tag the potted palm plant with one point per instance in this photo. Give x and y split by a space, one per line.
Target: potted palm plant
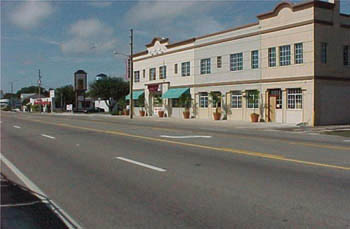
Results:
185 101
141 103
158 100
215 100
252 97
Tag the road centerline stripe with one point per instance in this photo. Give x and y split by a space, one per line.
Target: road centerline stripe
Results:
188 136
141 164
48 136
235 151
17 127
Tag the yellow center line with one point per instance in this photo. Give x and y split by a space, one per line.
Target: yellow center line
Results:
234 151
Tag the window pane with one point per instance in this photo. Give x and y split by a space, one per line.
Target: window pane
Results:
284 55
205 66
299 58
272 57
236 62
255 59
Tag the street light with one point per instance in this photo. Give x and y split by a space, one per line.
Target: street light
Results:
131 73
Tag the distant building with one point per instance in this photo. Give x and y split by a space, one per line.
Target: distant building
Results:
101 76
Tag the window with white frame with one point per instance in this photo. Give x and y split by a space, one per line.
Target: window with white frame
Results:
284 55
298 53
255 59
219 62
137 76
324 52
144 73
162 72
236 99
346 54
294 98
203 100
175 68
205 66
272 57
236 61
253 99
152 74
185 68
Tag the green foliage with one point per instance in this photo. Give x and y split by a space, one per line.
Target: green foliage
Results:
110 89
36 108
141 101
67 94
185 101
10 95
7 108
25 102
215 99
32 89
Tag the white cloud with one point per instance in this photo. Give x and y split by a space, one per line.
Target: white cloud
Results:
31 13
89 36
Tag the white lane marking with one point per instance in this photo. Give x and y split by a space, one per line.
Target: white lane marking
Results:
346 140
191 136
69 221
141 164
314 134
18 127
48 136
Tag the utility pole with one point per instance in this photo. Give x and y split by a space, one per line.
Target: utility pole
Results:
131 74
12 95
39 84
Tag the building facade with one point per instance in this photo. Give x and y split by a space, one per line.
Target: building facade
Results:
292 66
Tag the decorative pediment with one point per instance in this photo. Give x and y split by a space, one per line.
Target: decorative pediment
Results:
157 46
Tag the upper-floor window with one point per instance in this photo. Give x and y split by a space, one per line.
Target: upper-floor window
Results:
185 68
294 98
272 57
219 62
324 47
298 53
346 54
162 72
137 76
253 99
203 100
205 66
255 59
284 55
175 68
152 74
236 61
236 99
144 73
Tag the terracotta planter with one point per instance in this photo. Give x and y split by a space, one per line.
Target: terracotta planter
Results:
217 115
161 114
186 114
142 113
125 112
254 117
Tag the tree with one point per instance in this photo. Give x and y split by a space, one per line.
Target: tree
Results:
65 95
32 89
111 89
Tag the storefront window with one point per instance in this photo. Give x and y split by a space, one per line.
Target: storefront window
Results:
157 101
203 100
236 99
295 98
253 99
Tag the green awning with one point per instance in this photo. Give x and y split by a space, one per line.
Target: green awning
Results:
135 95
175 93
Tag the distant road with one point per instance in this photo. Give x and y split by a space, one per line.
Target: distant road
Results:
120 173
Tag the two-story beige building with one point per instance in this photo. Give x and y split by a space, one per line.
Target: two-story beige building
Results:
292 66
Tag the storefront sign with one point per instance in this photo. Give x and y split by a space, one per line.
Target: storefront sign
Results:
69 107
52 93
154 88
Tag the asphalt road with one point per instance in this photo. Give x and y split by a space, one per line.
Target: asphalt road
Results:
118 173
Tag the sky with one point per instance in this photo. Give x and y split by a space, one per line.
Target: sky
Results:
61 37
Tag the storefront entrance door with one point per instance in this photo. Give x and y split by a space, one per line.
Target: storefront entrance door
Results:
272 108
